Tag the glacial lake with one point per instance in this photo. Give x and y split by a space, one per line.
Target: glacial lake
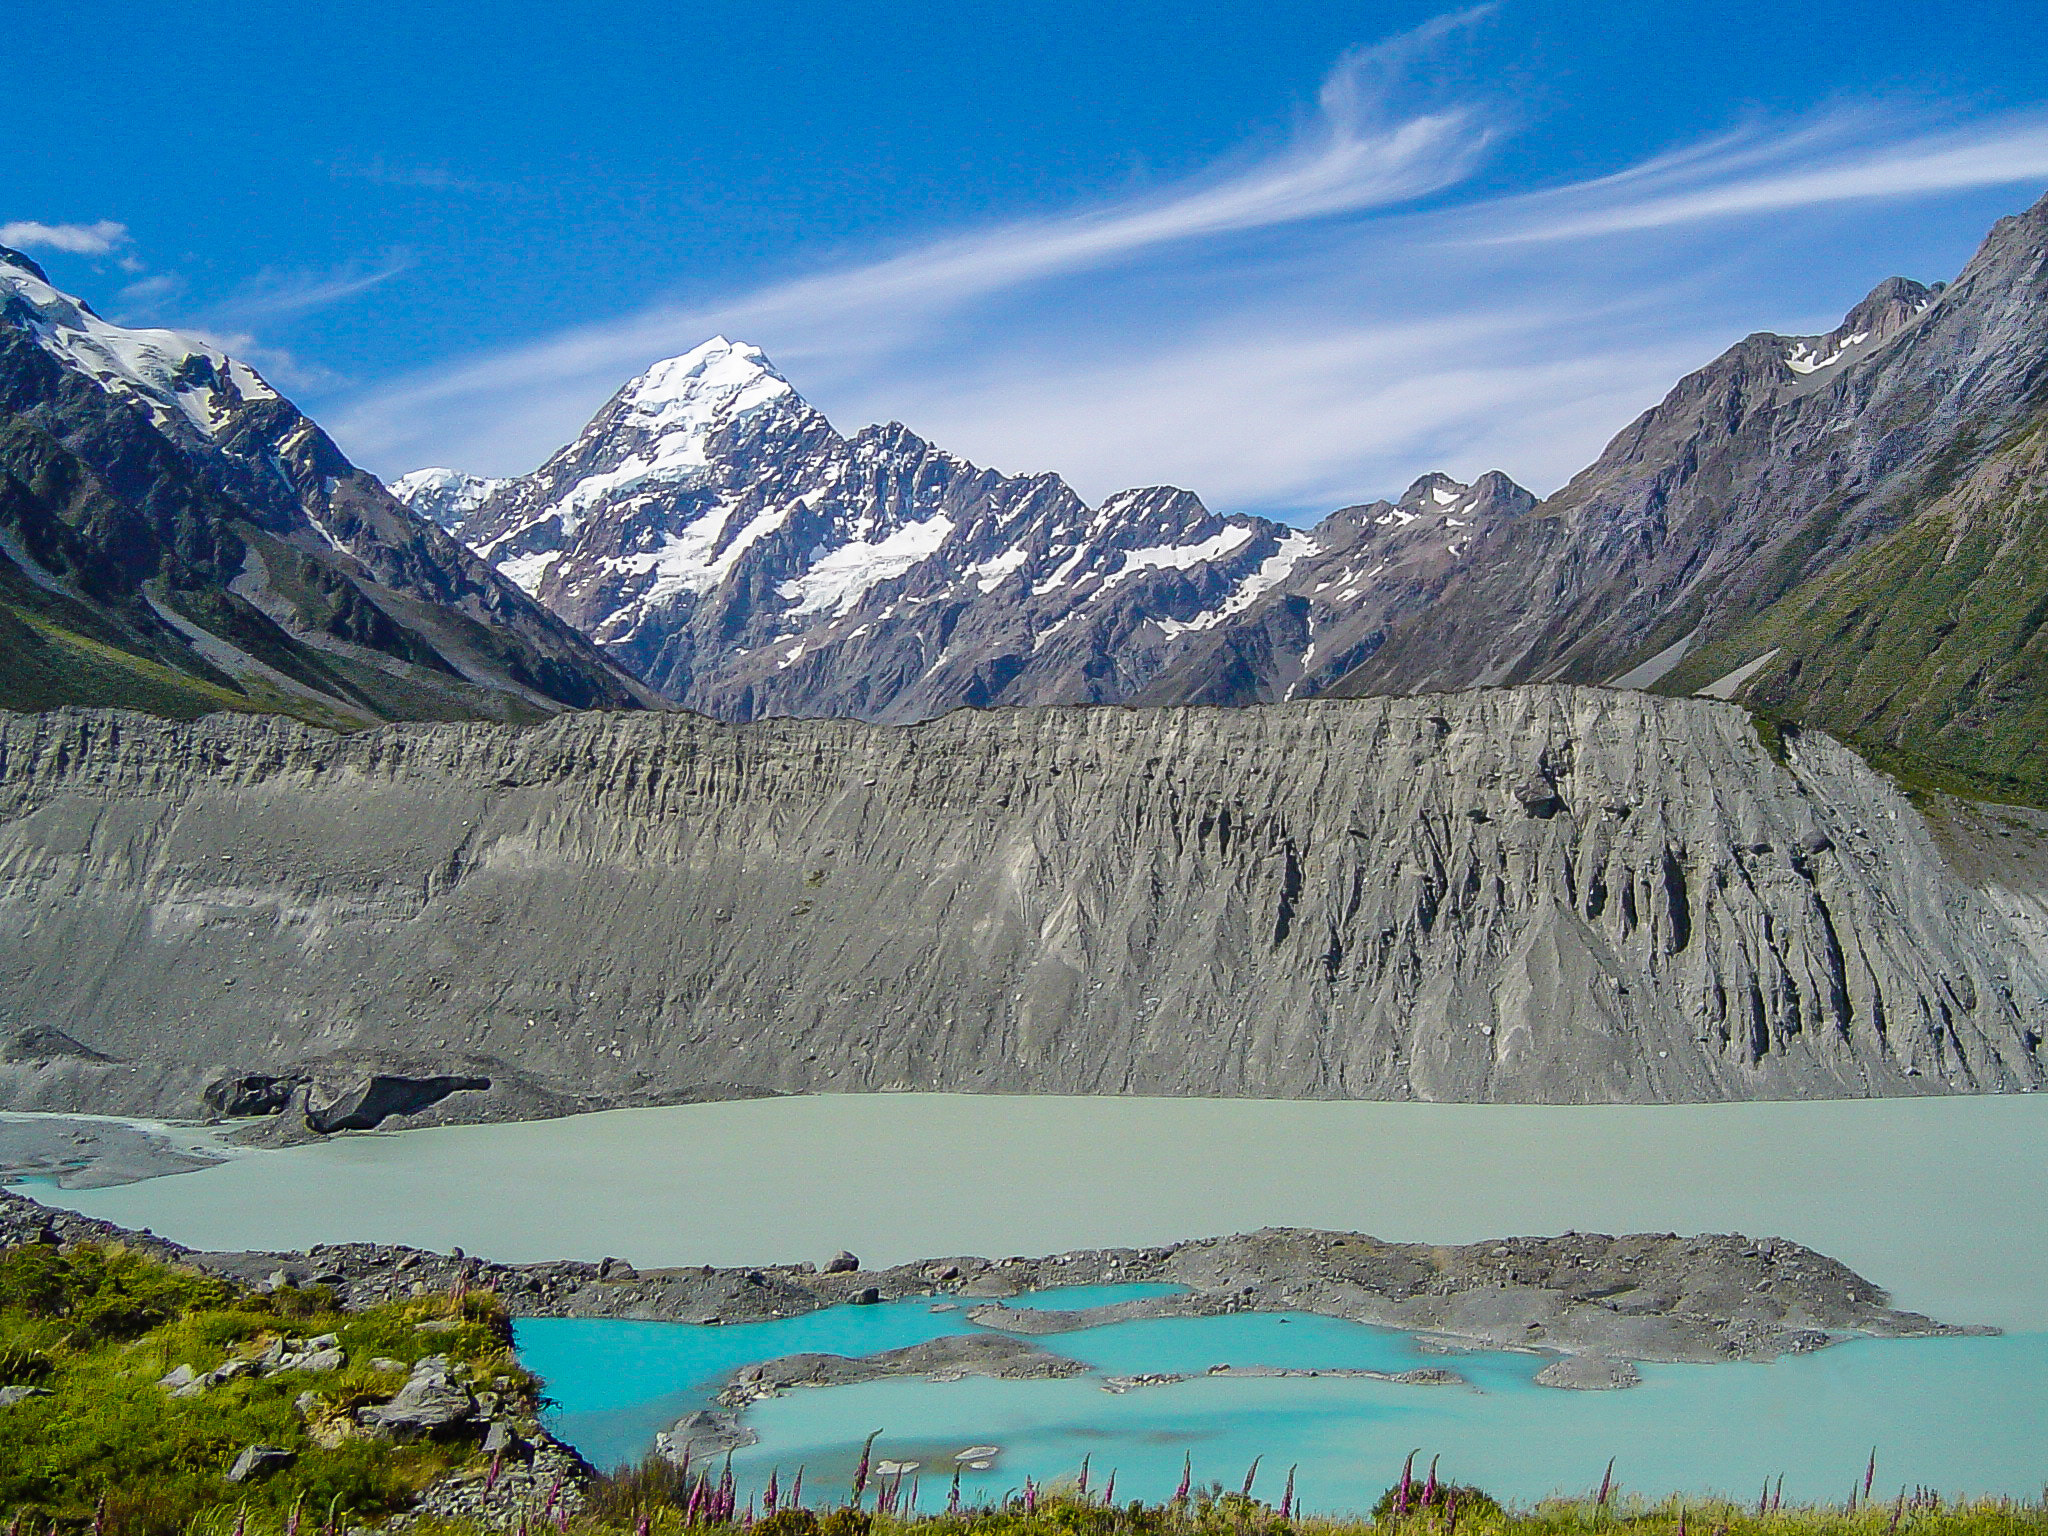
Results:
1943 1201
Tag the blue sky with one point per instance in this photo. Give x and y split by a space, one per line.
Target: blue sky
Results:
1286 254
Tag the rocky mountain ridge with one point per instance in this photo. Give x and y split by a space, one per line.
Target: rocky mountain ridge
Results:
176 536
1843 529
1540 895
714 533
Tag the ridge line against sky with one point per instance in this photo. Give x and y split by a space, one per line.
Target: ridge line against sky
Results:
1316 318
1355 156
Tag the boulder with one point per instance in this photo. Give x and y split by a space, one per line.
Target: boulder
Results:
1539 797
378 1097
841 1263
9 1396
260 1461
428 1404
252 1093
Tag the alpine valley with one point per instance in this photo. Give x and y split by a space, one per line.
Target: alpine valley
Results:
1463 795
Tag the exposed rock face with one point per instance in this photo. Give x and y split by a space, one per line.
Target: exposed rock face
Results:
1545 894
714 533
370 1103
1371 565
176 536
1847 528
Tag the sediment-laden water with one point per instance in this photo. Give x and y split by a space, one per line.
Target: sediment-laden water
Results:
1944 1201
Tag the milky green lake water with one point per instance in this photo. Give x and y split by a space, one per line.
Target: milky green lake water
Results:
1943 1201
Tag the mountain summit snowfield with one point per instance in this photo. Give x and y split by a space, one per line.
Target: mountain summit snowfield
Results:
714 533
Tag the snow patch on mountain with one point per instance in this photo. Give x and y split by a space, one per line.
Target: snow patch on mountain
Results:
989 574
1274 569
1802 358
840 578
1180 557
447 496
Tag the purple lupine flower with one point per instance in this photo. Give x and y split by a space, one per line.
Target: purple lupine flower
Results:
1407 1474
1187 1475
1287 1496
1451 1513
860 1473
1429 1488
1109 1490
953 1498
1030 1497
1606 1485
1250 1473
796 1490
1081 1483
1870 1473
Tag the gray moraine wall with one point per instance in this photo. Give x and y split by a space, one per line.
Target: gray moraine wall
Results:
1544 894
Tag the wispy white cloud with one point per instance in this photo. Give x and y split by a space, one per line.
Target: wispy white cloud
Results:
1297 328
1303 419
1350 155
419 178
97 239
147 292
1826 161
273 295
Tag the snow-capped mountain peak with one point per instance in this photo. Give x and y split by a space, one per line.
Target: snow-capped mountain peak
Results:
714 533
447 496
719 380
179 379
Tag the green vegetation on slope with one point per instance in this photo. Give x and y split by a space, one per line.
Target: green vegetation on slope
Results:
105 1446
1927 651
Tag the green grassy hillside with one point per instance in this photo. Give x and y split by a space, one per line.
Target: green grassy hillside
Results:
1928 650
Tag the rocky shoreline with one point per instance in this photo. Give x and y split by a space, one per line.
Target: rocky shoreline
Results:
1597 1304
1654 1297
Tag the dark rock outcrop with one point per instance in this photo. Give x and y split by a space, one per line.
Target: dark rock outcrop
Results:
375 1100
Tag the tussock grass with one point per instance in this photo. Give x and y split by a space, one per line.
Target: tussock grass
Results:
110 1451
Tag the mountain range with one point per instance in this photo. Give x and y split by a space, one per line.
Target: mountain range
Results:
714 533
177 537
1840 529
1515 875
